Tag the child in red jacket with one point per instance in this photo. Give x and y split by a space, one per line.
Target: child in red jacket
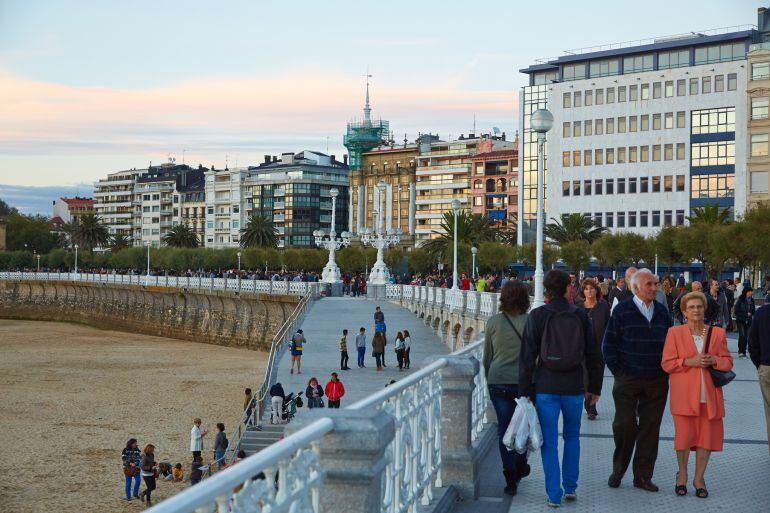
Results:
334 391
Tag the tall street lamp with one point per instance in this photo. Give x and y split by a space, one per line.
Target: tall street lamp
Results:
541 122
474 250
331 272
147 279
76 261
239 263
38 259
456 209
377 239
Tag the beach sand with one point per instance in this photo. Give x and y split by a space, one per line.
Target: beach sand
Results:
71 396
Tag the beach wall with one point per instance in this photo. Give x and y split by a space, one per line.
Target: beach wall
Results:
212 317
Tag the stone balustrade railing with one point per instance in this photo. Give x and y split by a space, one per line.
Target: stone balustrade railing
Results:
463 302
295 288
416 441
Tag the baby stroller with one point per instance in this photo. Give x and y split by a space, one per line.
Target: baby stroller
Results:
290 405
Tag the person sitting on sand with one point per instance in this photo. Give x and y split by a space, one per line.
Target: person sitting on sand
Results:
178 473
196 470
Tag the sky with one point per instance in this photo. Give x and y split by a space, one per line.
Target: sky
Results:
92 87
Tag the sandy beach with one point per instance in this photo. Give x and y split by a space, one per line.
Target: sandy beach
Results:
70 397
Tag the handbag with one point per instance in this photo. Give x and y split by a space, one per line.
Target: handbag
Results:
129 471
720 378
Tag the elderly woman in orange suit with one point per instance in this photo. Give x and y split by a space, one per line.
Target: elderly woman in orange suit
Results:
696 404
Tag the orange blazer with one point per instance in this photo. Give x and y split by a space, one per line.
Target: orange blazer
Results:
685 381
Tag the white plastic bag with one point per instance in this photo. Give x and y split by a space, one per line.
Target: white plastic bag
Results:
535 433
522 434
519 418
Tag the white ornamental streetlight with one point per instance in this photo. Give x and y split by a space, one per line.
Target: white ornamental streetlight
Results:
456 209
147 279
239 262
541 122
474 250
377 239
76 261
331 272
38 261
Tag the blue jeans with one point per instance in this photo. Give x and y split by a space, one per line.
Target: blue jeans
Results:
219 456
361 355
549 407
503 399
137 481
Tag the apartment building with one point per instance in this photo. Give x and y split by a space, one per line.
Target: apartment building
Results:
114 198
758 99
643 133
494 186
225 197
70 210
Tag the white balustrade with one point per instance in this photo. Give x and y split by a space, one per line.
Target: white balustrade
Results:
392 291
480 398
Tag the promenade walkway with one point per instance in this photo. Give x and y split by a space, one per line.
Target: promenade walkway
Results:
323 325
738 478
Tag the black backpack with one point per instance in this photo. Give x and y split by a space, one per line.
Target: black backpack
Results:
562 346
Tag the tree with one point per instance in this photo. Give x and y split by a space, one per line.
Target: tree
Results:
665 247
608 251
709 214
576 255
420 261
527 254
350 259
259 232
573 227
6 209
693 244
471 229
29 233
493 256
181 236
393 258
635 248
119 242
90 233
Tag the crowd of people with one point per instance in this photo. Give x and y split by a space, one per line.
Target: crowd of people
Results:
655 338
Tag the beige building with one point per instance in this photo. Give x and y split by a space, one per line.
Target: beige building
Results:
758 97
114 196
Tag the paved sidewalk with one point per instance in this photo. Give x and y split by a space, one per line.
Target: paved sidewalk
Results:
323 327
738 479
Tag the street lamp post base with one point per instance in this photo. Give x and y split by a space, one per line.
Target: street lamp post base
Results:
379 274
331 274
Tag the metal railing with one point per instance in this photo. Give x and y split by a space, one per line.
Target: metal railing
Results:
480 399
478 304
240 285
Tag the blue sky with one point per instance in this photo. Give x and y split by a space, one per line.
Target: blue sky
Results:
90 87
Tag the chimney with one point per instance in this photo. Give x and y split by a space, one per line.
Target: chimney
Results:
275 158
334 157
345 159
287 158
503 136
267 159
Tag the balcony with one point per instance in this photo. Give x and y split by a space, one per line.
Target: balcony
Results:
325 219
222 214
279 218
166 224
279 192
326 205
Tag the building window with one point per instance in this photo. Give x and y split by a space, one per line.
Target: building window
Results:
589 98
608 220
577 129
598 219
622 155
610 95
655 152
598 157
645 91
655 90
656 121
610 125
574 72
732 81
587 158
655 184
656 218
679 183
759 145
632 219
644 153
576 158
632 185
577 99
598 186
681 87
565 187
713 121
576 187
645 122
759 107
668 120
693 86
588 127
609 155
567 100
609 186
673 59
600 97
760 71
622 125
712 186
621 219
679 151
621 94
566 129
604 68
633 93
720 53
759 183
668 183
667 217
621 185
565 160
719 83
706 87
720 153
599 127
632 124
632 152
680 217
637 63
643 218
587 188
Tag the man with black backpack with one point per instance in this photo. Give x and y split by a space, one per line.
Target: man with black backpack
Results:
558 343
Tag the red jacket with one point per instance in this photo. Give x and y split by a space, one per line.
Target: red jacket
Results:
334 390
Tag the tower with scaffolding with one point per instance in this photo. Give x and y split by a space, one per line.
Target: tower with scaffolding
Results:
365 135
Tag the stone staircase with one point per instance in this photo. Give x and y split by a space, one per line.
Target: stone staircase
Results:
254 440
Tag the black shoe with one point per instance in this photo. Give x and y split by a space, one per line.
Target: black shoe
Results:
525 470
645 484
614 481
511 482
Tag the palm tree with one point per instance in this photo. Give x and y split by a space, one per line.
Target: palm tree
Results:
90 233
709 214
471 229
259 232
181 236
119 241
573 227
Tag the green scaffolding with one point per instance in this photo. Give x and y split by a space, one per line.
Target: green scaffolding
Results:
363 136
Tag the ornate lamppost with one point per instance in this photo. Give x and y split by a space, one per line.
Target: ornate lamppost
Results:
380 240
541 122
331 272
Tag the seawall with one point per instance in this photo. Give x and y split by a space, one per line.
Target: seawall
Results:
212 317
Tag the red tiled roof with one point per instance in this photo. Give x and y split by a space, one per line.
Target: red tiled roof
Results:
496 154
79 201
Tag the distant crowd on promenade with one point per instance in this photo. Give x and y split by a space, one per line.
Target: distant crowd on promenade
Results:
655 338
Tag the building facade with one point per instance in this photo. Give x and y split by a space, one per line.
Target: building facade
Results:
225 201
658 126
190 207
294 192
758 99
114 197
494 186
443 174
70 210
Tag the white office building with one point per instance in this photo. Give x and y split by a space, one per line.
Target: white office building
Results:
114 198
225 204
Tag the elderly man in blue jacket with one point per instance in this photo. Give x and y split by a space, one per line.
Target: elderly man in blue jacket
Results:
632 349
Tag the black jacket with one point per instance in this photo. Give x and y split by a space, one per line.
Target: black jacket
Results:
712 311
744 309
536 378
620 294
759 337
277 391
